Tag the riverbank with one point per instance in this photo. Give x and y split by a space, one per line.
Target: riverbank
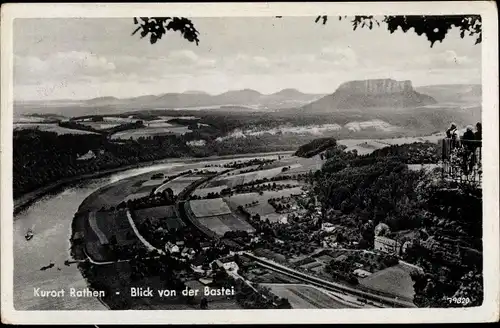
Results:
27 199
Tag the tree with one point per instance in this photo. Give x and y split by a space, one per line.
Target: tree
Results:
435 28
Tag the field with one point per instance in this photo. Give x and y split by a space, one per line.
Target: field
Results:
202 192
239 179
215 224
152 183
220 224
367 146
116 223
155 213
394 280
306 297
150 132
118 120
178 184
304 165
100 229
28 119
136 196
112 194
158 124
262 208
100 125
165 214
209 207
50 128
215 215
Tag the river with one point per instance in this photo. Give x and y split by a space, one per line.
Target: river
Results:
50 218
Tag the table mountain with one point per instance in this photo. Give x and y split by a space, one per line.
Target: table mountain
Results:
380 93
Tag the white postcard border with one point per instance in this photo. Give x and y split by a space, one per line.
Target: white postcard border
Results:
489 311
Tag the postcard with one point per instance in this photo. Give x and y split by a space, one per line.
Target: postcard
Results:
249 163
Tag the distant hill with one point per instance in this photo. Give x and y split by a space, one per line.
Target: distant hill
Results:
102 101
195 92
365 94
454 93
243 99
238 97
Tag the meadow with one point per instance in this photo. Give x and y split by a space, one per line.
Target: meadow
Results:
159 214
394 280
238 179
366 146
178 184
215 215
104 227
100 125
263 208
49 127
209 207
147 132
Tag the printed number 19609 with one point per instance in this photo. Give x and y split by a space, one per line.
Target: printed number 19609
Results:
459 300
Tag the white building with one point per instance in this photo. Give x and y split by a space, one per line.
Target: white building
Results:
361 273
230 266
283 220
89 155
387 245
328 227
169 247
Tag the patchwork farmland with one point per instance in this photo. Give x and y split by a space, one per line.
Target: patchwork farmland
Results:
100 125
150 132
262 208
216 216
209 207
238 179
163 214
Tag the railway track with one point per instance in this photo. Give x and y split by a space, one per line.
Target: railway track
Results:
328 285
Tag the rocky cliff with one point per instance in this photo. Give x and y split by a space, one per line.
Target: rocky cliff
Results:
380 93
375 87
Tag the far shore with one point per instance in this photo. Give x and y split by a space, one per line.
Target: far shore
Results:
27 199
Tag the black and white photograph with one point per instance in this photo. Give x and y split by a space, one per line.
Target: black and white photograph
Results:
278 161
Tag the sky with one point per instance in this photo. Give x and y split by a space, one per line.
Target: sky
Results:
82 58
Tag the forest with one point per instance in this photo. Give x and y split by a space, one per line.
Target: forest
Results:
41 158
379 187
315 147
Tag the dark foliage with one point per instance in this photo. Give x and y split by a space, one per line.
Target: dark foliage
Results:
435 28
157 27
315 147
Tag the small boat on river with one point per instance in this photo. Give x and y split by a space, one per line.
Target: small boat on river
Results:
29 234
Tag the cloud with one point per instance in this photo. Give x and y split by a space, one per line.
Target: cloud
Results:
448 59
328 59
60 66
74 66
338 56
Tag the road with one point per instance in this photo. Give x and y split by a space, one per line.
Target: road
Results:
93 224
141 238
